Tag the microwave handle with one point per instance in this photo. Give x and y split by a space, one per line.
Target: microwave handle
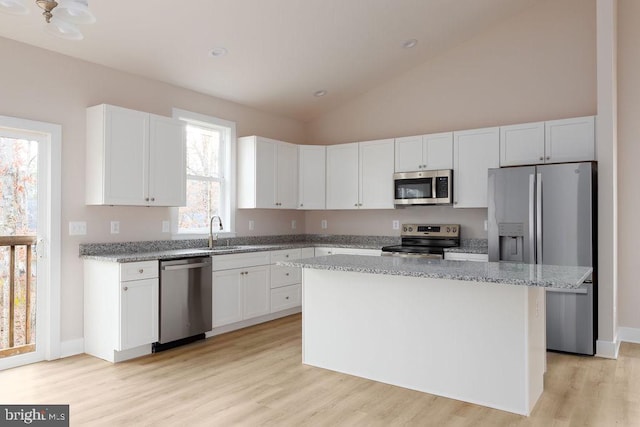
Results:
433 187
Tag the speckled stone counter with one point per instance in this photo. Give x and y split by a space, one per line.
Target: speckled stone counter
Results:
168 249
471 246
490 272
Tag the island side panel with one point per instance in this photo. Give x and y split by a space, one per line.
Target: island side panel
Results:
464 340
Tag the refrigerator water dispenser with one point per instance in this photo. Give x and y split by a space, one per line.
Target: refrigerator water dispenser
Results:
511 240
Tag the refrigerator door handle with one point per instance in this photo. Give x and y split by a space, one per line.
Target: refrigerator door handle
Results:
532 240
539 258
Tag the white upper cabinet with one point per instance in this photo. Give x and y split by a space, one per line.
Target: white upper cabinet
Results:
425 152
267 173
360 175
342 176
376 174
570 140
134 158
556 141
311 176
474 153
522 144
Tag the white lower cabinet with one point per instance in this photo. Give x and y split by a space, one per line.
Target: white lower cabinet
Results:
286 297
347 251
240 287
121 308
286 282
465 256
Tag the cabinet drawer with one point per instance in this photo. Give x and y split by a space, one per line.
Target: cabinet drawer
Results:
230 261
285 255
307 252
282 276
285 297
138 270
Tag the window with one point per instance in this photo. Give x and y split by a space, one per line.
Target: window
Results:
210 153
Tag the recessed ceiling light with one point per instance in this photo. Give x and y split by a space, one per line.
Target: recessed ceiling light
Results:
218 51
320 93
408 44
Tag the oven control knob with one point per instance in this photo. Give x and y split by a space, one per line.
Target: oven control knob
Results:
404 228
448 229
454 229
410 228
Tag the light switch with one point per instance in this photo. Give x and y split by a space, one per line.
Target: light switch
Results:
396 224
252 224
293 224
323 224
115 227
166 226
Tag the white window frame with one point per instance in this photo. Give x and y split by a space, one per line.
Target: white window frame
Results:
229 163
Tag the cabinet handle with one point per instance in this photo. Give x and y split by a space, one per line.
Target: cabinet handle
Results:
141 271
541 158
286 256
301 205
419 166
126 288
153 199
286 297
355 204
146 199
548 157
287 274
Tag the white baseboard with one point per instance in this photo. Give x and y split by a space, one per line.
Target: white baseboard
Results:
71 347
629 335
607 349
250 322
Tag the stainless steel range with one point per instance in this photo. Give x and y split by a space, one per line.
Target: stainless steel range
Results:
425 240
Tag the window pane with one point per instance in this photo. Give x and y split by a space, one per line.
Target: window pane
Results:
203 152
18 186
203 201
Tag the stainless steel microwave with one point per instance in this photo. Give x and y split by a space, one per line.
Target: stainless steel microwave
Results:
423 188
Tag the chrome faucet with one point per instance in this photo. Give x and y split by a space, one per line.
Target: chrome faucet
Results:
213 238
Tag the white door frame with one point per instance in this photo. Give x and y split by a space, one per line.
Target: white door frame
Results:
50 156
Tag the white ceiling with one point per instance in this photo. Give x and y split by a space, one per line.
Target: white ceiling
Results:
280 51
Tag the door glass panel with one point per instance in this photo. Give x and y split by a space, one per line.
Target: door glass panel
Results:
18 227
413 188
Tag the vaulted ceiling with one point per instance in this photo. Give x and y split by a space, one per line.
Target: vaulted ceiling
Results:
279 52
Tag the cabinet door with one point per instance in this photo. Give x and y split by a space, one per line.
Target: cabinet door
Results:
474 153
287 176
167 162
138 313
376 174
570 140
438 151
522 144
408 154
311 174
257 291
342 176
265 173
126 162
227 297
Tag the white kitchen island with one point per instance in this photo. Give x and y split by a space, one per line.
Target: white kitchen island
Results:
464 330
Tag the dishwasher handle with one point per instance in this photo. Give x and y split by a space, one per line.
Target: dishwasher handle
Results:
185 266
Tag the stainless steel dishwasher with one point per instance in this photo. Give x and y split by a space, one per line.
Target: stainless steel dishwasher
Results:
185 301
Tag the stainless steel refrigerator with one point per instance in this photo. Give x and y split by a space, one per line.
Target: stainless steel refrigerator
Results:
547 215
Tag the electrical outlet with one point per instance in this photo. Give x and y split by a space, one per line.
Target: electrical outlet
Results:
396 224
115 227
252 224
323 224
166 226
293 224
77 228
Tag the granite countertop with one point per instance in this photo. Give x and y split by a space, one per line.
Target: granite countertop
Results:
170 249
551 276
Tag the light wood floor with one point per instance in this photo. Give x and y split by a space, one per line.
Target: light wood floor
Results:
255 377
